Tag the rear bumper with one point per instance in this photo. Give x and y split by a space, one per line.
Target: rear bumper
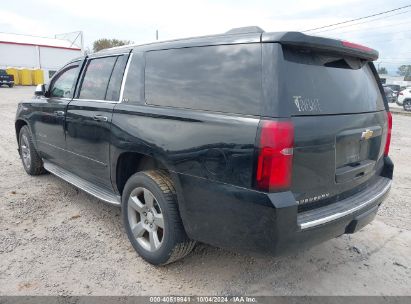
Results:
346 207
344 217
250 221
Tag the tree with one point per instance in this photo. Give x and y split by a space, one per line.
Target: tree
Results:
382 70
404 70
105 43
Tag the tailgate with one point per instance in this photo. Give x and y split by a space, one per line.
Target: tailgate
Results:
340 123
336 155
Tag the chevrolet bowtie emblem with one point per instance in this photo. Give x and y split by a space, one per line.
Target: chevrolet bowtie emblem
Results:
367 134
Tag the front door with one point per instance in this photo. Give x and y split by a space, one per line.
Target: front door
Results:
49 124
88 119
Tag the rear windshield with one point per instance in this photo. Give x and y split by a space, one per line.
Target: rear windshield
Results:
317 83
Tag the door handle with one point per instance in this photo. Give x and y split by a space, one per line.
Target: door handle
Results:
100 118
59 113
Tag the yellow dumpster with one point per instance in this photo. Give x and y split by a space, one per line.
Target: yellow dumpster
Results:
25 77
37 76
15 73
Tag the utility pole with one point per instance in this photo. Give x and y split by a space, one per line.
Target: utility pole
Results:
156 34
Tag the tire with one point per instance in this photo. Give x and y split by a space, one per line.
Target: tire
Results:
11 85
149 201
407 105
32 162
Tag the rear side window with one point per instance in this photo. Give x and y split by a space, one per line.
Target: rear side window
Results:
114 86
215 78
316 83
134 86
96 78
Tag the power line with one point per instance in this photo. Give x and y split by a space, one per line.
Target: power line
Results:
394 63
405 62
374 40
390 62
391 35
376 35
372 28
361 18
359 23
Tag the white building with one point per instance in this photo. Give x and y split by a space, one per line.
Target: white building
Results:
48 54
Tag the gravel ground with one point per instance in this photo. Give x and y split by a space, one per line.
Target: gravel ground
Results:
57 240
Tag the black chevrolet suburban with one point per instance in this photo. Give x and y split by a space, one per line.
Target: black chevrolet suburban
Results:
250 141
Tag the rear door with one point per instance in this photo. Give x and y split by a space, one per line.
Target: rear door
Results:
340 123
88 120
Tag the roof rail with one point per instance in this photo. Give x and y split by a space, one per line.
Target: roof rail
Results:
245 30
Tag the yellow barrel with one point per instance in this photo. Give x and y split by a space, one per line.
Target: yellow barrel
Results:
15 73
25 77
33 81
19 75
37 76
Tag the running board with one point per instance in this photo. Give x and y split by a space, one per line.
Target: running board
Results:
82 184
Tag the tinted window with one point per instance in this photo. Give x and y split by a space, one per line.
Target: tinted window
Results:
62 85
96 78
317 83
134 86
114 86
217 78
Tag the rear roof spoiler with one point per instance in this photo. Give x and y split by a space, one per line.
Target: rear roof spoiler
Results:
320 43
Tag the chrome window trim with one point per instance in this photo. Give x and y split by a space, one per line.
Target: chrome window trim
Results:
59 98
96 100
90 57
123 83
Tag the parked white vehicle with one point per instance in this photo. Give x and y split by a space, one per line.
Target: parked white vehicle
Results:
404 99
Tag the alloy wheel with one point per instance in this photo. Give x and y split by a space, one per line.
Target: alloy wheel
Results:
146 219
25 150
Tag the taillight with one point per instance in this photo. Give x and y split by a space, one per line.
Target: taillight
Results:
388 139
275 155
356 46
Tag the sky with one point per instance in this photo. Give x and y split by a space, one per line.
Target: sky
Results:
138 21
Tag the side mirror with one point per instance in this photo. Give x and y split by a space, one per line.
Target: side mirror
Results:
40 90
